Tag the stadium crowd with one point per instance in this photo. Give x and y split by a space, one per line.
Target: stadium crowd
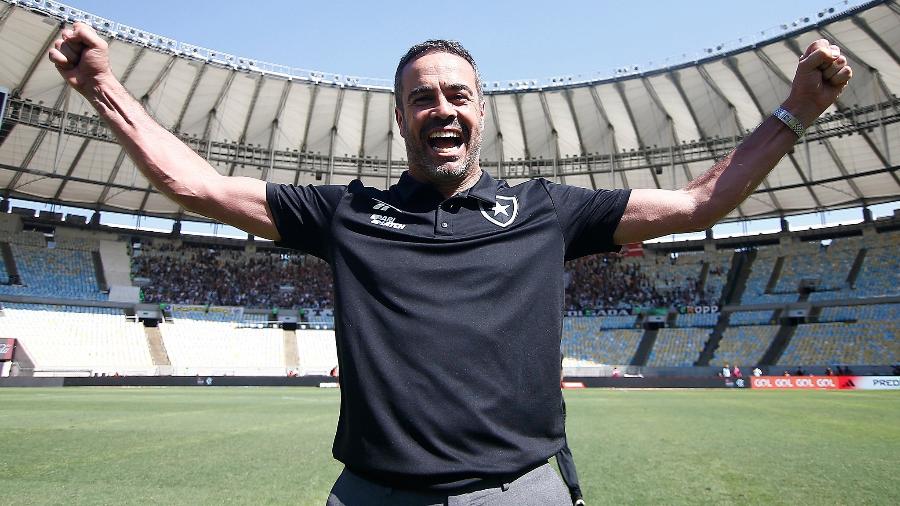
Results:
616 282
189 274
202 275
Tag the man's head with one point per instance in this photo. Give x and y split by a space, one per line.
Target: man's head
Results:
440 110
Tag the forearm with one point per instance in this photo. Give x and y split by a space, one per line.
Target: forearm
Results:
734 178
168 163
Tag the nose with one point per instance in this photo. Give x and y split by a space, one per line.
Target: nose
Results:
443 109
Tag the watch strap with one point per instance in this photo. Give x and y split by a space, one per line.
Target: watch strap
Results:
790 120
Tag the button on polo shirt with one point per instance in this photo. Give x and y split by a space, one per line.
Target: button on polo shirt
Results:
448 315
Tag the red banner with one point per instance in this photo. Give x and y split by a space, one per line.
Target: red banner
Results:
633 249
7 345
796 382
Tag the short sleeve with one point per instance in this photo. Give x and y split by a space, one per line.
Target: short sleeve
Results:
588 218
303 215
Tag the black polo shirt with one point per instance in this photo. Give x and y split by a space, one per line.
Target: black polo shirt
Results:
448 315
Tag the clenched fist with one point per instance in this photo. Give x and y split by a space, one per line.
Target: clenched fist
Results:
82 57
822 74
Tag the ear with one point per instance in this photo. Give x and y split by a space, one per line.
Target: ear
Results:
398 115
482 115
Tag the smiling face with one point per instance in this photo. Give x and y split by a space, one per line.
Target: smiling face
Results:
441 118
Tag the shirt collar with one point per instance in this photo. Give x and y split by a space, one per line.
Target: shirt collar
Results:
485 189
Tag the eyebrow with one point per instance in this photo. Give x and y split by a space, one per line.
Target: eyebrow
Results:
427 88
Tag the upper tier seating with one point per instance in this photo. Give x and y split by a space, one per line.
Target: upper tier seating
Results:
610 281
879 275
761 272
53 272
751 318
226 277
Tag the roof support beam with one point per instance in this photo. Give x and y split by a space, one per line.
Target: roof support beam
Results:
5 15
361 154
518 100
39 59
29 156
313 94
273 129
613 145
390 140
806 183
713 86
242 140
671 122
189 97
620 88
840 165
71 169
132 64
334 131
101 200
495 117
884 46
145 99
554 137
567 93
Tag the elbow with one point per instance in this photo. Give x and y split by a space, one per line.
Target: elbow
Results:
703 214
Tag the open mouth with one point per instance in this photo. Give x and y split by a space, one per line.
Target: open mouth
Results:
445 141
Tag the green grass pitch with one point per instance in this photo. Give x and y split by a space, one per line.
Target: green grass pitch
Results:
273 446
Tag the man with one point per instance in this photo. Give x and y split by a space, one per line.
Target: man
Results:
448 285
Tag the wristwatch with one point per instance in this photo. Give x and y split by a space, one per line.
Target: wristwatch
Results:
790 120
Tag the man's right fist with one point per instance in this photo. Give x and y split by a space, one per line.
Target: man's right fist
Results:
81 57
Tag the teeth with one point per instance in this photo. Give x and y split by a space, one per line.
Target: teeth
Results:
438 134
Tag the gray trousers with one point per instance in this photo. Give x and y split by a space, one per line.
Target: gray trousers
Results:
539 487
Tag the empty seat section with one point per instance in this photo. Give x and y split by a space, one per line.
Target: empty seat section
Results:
68 340
222 349
677 347
585 339
744 344
317 350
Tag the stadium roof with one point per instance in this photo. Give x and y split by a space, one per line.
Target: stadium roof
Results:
652 129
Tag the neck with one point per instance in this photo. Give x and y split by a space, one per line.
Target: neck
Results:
448 186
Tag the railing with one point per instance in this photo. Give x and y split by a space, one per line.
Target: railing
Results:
846 122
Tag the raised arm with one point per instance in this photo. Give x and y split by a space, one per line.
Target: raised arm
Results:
821 76
82 58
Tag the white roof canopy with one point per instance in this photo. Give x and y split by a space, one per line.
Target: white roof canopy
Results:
657 129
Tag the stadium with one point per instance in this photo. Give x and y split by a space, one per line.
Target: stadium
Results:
652 336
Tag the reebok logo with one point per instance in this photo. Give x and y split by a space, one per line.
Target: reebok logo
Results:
383 206
386 221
